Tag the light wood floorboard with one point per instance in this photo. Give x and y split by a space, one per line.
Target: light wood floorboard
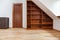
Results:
24 34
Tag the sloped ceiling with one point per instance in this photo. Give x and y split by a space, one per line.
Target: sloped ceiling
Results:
45 6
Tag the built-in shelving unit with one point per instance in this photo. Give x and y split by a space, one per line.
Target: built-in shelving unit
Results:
36 18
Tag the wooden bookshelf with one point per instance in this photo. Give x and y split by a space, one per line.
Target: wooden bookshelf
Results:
36 18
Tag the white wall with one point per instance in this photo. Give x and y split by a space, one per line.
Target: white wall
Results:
53 5
56 24
6 7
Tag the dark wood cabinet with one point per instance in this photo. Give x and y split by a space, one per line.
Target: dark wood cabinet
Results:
36 18
4 22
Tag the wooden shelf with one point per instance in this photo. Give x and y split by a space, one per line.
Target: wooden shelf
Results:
34 14
36 17
46 23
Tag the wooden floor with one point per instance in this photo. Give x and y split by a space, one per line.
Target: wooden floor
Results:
24 34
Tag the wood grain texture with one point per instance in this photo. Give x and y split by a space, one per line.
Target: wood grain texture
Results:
17 15
37 18
24 34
